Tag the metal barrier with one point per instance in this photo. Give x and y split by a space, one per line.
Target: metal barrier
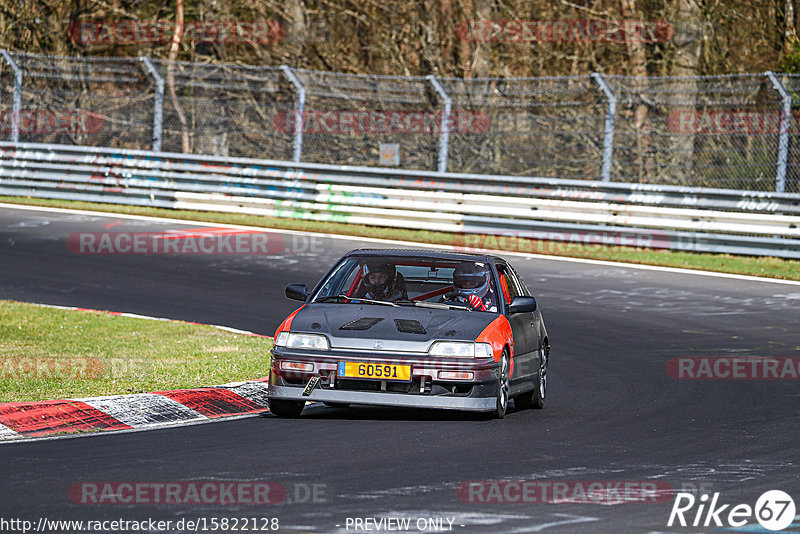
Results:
589 213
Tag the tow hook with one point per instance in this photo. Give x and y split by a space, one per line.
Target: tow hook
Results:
312 383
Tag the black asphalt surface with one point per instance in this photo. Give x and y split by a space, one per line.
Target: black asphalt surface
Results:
612 413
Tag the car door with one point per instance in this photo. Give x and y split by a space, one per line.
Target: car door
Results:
523 328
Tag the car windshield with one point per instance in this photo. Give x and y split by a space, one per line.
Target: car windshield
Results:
411 281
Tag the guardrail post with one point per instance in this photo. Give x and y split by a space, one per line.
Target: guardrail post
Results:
17 104
299 110
158 105
444 136
608 137
783 140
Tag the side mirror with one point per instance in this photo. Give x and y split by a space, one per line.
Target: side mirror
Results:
297 292
522 305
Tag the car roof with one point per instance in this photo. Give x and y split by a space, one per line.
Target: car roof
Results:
425 253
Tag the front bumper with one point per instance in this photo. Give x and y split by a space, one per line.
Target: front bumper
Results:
425 390
404 400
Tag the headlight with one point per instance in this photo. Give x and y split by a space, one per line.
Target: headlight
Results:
456 349
302 341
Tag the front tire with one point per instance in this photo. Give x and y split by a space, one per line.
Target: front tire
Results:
503 387
286 408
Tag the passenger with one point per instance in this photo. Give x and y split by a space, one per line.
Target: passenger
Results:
381 281
472 286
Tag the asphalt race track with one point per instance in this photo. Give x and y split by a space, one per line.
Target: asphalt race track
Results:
613 413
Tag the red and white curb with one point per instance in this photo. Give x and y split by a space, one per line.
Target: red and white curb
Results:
127 412
138 411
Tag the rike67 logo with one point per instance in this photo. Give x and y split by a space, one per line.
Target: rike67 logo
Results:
774 510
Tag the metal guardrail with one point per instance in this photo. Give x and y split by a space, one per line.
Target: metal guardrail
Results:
591 213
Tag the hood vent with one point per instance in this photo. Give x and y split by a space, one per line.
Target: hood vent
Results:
409 326
365 323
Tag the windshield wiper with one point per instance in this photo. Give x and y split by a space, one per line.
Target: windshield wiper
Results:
348 297
435 305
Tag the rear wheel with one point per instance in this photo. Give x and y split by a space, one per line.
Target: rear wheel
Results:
535 397
286 408
540 392
503 387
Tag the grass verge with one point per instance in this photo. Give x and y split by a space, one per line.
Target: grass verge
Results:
747 265
48 354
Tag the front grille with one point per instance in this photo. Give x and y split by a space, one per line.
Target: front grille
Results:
375 385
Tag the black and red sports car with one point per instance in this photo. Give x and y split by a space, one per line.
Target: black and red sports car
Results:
412 328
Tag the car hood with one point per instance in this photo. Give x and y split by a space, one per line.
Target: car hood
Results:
377 327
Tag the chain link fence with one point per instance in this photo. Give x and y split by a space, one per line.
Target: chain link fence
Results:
225 110
714 131
348 118
733 132
550 127
68 100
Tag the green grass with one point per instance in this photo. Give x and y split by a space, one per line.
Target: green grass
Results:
48 353
748 265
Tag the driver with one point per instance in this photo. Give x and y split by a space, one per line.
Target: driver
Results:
472 285
381 281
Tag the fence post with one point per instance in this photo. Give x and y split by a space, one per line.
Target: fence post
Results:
608 137
444 137
783 140
299 109
158 105
17 104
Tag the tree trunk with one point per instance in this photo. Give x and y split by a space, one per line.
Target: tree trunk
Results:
297 32
688 39
174 46
637 56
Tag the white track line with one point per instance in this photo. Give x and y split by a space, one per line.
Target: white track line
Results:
675 270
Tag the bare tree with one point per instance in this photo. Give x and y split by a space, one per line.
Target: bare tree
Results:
174 46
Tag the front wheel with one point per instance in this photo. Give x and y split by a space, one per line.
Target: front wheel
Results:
286 408
503 387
